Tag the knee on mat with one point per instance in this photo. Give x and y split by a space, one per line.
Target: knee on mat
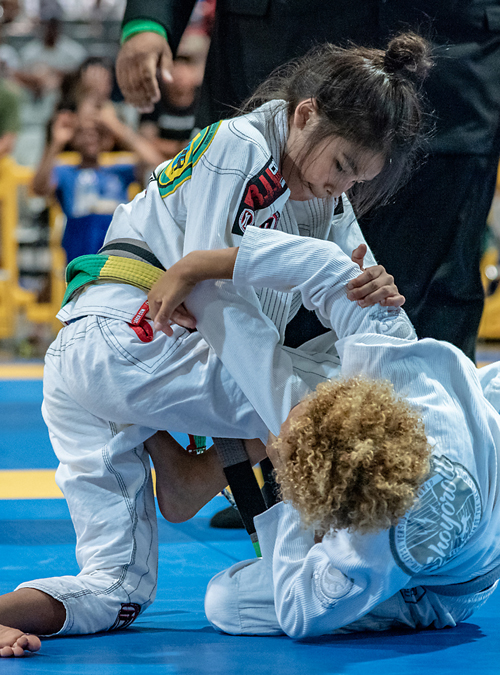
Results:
221 607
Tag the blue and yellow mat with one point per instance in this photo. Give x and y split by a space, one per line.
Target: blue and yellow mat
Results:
173 636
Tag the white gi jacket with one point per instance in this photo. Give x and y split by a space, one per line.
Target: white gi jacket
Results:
206 198
450 536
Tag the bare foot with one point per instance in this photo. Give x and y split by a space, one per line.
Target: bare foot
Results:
186 482
14 642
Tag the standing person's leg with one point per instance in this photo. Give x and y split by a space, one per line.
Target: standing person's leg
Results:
431 239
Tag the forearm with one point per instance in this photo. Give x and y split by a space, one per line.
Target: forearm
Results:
204 265
130 140
172 15
320 271
42 180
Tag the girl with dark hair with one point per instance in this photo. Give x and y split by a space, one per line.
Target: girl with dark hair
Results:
365 96
111 381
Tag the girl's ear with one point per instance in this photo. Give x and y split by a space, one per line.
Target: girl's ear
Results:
305 112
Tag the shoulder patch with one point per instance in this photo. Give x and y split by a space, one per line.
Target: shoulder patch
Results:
330 585
260 192
444 518
180 168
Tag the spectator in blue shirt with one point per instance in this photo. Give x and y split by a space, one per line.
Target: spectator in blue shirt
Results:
89 192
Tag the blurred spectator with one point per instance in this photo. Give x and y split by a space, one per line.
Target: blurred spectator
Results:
10 121
9 58
89 192
94 79
44 61
43 64
172 121
9 116
89 90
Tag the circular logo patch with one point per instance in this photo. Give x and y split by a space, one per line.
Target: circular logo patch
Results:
246 218
443 519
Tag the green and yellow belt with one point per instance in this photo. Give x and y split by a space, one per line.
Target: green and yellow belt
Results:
127 261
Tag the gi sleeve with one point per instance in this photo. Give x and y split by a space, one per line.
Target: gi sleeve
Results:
321 587
320 270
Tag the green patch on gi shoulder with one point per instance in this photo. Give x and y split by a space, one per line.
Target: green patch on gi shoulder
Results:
180 168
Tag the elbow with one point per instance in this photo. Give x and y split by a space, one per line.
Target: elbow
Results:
303 619
295 634
296 631
294 623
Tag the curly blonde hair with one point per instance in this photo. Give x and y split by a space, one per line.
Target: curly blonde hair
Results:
357 456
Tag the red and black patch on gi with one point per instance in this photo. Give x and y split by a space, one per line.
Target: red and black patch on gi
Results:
261 191
127 615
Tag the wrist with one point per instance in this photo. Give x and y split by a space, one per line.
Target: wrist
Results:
190 269
141 26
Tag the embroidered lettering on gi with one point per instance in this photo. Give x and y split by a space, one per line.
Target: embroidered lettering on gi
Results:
261 191
444 518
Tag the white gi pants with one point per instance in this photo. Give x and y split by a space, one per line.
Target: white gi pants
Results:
240 601
105 393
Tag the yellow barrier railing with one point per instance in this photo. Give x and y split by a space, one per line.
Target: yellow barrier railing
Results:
489 328
13 298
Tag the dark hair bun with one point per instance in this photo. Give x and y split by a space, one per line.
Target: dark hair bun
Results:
408 54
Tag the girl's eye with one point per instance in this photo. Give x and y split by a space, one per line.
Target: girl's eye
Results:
340 168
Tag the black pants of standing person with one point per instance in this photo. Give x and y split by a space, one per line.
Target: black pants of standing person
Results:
431 239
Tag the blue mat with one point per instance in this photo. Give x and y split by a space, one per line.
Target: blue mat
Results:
173 636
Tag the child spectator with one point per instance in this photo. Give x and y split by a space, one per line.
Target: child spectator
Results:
89 192
95 79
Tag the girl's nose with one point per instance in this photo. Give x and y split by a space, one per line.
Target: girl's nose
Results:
343 186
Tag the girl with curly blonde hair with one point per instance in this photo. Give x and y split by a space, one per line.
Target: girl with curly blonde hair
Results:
352 456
